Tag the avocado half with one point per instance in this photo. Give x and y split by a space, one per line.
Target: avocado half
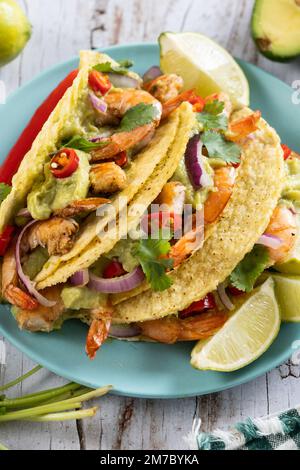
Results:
276 28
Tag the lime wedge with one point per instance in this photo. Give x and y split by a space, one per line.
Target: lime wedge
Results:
245 336
203 65
287 289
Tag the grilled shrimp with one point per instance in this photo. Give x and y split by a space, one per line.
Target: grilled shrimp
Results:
282 225
172 196
10 282
56 234
186 245
164 87
98 331
171 329
241 128
217 200
42 318
107 178
82 206
172 104
119 101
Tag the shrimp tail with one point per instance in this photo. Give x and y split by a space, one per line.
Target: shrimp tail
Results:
97 335
19 298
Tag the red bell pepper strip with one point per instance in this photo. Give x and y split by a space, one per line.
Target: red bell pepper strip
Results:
208 302
24 142
235 291
5 238
286 151
113 269
64 163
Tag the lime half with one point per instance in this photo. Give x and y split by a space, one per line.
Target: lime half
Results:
287 289
203 65
15 30
247 334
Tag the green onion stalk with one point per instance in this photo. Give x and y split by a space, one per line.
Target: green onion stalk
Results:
56 404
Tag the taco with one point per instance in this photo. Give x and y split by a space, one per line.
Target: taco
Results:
196 199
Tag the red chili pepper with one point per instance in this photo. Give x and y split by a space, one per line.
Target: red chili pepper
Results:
64 163
235 291
113 269
198 103
208 302
286 151
24 142
5 239
99 82
121 159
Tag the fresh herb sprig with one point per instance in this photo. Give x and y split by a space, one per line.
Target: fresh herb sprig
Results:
56 404
151 254
250 268
80 143
108 67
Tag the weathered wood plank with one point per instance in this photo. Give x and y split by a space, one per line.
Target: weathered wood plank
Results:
60 30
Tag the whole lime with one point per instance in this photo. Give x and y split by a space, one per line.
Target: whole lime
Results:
15 30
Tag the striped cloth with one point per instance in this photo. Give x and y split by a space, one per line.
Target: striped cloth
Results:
274 432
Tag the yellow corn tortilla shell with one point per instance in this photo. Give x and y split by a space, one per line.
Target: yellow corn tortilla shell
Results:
70 112
45 143
255 195
160 174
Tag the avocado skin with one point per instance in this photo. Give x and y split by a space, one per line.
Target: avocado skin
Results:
268 54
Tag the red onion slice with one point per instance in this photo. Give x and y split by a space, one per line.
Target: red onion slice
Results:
224 297
152 73
81 278
24 213
123 81
270 241
124 331
194 163
97 103
118 284
25 279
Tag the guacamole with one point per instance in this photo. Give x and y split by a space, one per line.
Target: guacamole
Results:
193 196
76 298
291 189
50 193
34 262
123 252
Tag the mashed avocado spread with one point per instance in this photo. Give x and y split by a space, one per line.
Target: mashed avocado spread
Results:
76 298
50 193
194 197
291 189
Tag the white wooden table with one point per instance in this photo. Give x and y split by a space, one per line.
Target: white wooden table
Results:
60 29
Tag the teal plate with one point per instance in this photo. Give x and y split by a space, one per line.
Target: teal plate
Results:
141 369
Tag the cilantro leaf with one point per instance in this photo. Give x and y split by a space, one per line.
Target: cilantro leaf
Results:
80 143
5 189
149 253
250 268
218 147
108 67
126 63
211 121
214 107
138 116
